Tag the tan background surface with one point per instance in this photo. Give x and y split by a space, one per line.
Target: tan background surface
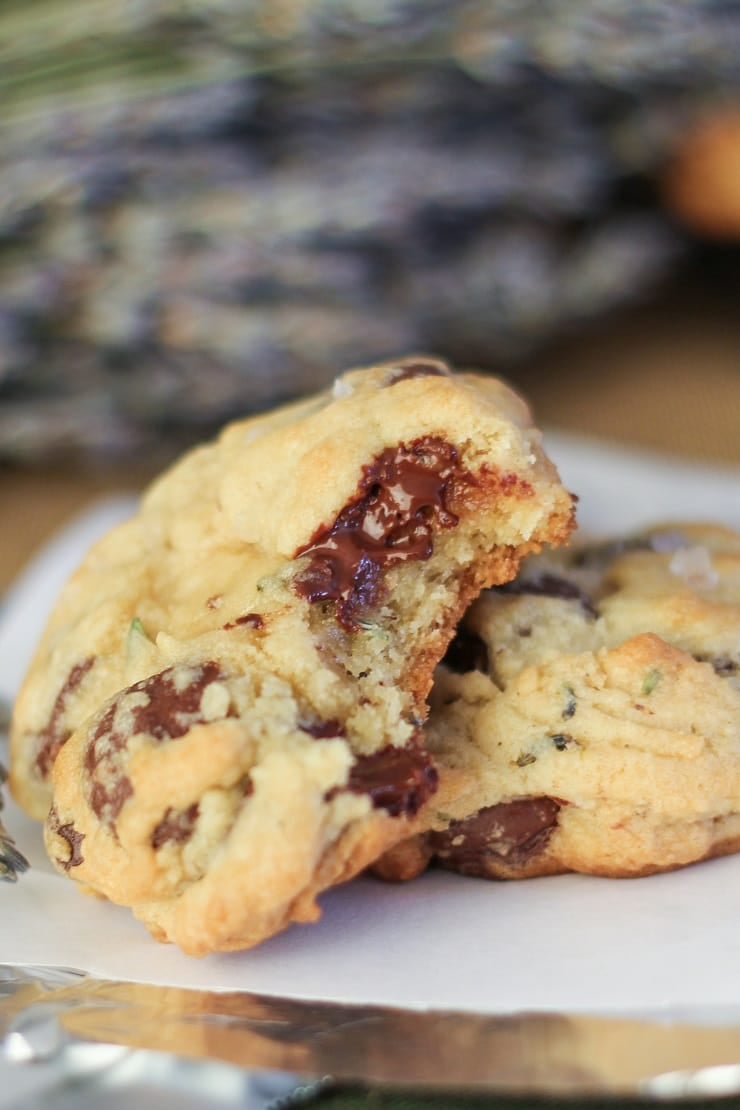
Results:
665 376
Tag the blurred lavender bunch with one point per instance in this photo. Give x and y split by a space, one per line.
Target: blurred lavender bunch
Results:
207 207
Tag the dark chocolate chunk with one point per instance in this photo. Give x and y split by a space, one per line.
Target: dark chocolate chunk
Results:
69 833
175 827
561 741
599 555
398 780
571 703
403 495
250 620
466 652
169 711
511 833
55 735
416 370
550 585
323 730
723 665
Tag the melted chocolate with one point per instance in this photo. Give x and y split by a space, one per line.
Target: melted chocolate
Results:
55 736
69 833
511 833
175 827
466 652
551 585
403 495
398 780
416 370
251 620
168 713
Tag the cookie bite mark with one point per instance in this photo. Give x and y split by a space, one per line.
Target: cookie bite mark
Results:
403 495
176 827
73 838
499 838
55 735
164 707
398 780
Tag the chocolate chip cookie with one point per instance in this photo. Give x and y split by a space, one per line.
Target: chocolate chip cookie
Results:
587 716
225 714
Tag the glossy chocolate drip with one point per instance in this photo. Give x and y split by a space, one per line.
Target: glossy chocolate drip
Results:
403 495
171 708
398 780
175 827
416 370
510 833
550 585
74 839
55 736
466 652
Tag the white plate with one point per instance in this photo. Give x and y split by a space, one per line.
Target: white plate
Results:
662 946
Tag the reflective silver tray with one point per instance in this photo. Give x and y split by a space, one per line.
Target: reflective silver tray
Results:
65 1034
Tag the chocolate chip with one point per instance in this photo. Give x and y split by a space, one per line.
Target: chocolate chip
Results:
175 827
323 730
250 620
599 555
54 736
403 495
69 833
561 741
550 585
398 780
466 652
571 703
416 370
164 706
723 665
511 833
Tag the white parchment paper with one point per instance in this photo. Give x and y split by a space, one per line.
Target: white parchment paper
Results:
665 946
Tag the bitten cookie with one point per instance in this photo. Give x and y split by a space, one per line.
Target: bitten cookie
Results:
588 715
225 711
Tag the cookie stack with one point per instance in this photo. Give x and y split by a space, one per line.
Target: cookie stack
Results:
229 711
